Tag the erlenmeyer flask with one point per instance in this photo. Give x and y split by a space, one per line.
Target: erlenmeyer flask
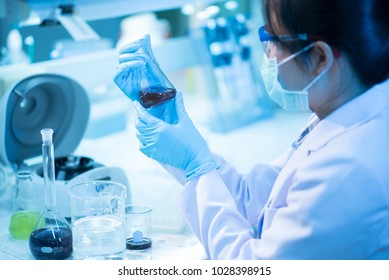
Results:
24 210
51 238
155 86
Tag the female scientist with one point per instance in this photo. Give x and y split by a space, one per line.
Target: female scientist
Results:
328 196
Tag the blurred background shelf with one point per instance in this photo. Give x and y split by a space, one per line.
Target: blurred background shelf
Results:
102 9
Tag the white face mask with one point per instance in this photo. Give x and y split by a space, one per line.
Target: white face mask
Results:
289 100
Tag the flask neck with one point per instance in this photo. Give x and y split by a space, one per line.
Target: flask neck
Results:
24 198
24 179
49 175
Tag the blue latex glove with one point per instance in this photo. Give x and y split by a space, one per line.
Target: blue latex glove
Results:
165 111
128 72
179 145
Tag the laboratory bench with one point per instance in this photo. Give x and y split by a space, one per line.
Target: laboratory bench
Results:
149 183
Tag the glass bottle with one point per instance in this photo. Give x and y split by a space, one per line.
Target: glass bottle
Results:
51 238
155 86
24 210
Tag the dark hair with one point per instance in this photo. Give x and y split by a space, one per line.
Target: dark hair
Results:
359 29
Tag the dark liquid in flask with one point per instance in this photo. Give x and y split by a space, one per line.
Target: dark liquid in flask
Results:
51 243
155 95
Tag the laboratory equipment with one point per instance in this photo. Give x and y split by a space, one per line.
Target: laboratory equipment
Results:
136 25
241 97
68 47
77 27
57 101
15 53
97 209
138 231
24 209
138 226
155 87
222 50
51 238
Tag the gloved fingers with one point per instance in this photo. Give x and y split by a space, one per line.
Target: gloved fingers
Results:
134 46
125 69
146 144
146 150
147 41
127 78
145 138
142 147
180 107
130 47
144 115
139 122
147 128
179 100
134 57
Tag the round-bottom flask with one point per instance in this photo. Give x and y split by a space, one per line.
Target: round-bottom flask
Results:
51 238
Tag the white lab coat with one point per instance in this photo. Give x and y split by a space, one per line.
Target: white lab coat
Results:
329 199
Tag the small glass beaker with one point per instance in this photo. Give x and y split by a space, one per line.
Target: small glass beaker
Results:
155 86
97 214
138 231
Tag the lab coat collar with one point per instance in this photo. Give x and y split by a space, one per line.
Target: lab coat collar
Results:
355 112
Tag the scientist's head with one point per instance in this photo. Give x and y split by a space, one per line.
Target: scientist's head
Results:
329 51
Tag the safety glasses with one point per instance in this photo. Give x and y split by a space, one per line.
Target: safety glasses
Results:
271 43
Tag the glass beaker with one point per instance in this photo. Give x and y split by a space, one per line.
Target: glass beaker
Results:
97 213
138 231
51 238
24 210
138 226
155 86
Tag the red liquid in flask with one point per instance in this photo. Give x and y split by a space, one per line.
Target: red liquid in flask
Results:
155 95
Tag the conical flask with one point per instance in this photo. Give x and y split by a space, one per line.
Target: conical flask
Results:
155 86
51 238
24 210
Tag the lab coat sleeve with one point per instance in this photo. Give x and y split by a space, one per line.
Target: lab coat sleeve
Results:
210 210
328 215
249 191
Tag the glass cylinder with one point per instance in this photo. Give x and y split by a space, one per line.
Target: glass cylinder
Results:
24 210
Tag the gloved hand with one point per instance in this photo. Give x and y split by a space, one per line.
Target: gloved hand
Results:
165 111
179 145
131 63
